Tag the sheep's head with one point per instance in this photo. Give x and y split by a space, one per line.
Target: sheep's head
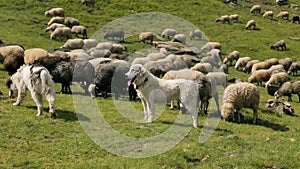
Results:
227 111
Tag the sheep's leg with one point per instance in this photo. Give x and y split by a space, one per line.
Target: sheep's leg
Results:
255 116
37 97
289 98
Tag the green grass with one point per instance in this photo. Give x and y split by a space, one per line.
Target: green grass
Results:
28 141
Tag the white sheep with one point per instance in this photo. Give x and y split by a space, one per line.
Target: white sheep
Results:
232 56
279 44
283 15
255 9
261 65
219 78
74 44
79 30
240 95
117 48
234 17
89 43
223 68
223 19
53 26
79 54
61 33
214 60
293 69
99 53
104 45
195 34
144 36
268 14
286 63
211 45
179 38
248 66
251 24
168 33
241 62
277 78
202 67
263 75
70 22
56 19
30 55
55 12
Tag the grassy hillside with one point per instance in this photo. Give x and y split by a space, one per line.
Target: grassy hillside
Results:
28 141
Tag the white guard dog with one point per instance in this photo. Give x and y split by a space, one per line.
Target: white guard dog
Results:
38 81
185 91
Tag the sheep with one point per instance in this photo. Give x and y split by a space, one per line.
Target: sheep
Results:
115 35
283 15
7 49
104 45
53 26
234 55
286 63
99 53
144 36
179 38
251 24
56 19
248 66
281 2
277 78
255 9
79 29
260 65
234 17
296 19
88 2
74 44
79 54
12 63
241 62
61 33
30 55
264 75
293 69
214 60
195 34
89 43
268 14
219 78
70 22
202 67
287 89
223 68
117 48
272 61
168 33
223 19
240 95
55 12
215 53
211 45
279 44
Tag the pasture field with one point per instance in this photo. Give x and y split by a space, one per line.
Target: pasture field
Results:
27 141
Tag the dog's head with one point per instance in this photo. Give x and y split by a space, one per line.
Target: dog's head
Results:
12 87
136 71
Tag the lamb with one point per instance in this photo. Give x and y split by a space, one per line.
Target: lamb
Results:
115 35
195 34
56 19
53 26
203 67
255 9
179 38
79 30
248 66
61 33
285 62
74 44
268 14
168 33
277 78
144 36
279 44
293 69
30 55
251 24
235 55
237 96
70 22
234 17
55 12
283 15
223 19
241 62
287 89
211 45
218 78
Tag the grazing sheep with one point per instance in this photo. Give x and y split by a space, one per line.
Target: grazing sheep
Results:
88 2
79 54
195 34
251 24
283 15
279 44
70 22
61 33
296 19
272 61
53 26
223 68
248 66
277 78
74 44
268 14
223 19
168 33
203 67
7 49
211 45
294 68
286 63
30 55
89 43
179 38
219 78
144 36
12 63
56 19
232 56
263 75
115 35
287 89
241 62
55 12
234 17
237 96
190 60
255 9
79 30
260 65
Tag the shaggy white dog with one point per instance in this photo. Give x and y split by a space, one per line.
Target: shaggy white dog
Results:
38 81
183 90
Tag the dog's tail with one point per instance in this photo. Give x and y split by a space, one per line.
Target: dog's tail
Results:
46 82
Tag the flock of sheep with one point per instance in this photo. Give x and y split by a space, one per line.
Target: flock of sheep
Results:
100 67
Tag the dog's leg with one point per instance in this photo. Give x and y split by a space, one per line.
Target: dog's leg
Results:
145 109
150 105
21 95
37 97
50 99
